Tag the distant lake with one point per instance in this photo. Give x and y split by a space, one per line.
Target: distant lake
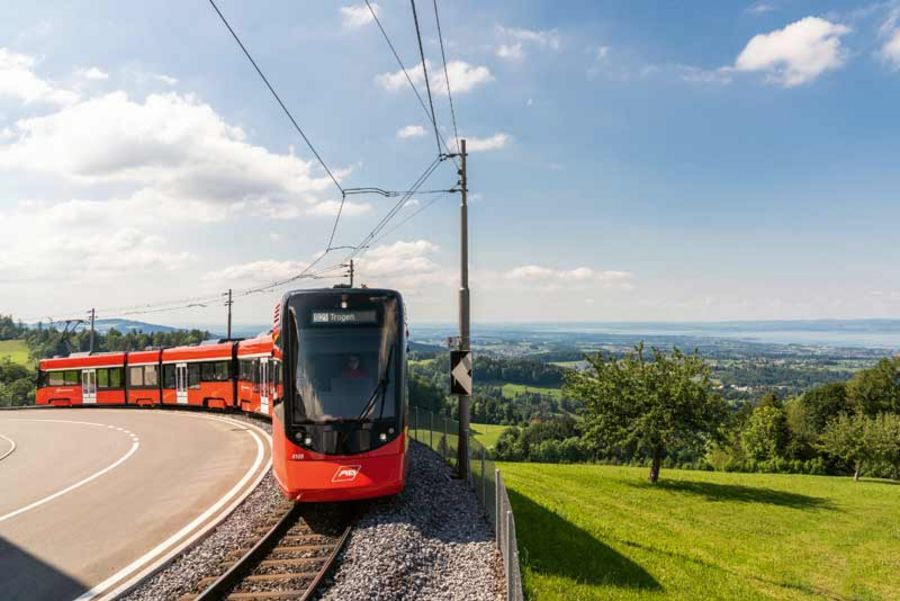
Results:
861 333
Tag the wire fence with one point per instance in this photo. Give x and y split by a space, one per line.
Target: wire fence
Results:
441 435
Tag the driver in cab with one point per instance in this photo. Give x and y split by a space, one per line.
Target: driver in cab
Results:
352 370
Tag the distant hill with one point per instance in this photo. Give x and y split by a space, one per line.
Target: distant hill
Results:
128 325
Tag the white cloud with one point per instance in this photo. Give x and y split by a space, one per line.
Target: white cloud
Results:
796 54
411 131
510 51
758 8
549 278
331 207
463 77
549 38
266 270
698 75
92 74
402 264
601 53
358 15
56 243
495 142
890 50
18 80
167 147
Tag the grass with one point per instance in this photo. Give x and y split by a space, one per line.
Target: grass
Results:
511 391
601 532
487 434
16 350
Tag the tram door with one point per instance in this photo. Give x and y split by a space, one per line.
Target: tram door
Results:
265 386
181 383
89 386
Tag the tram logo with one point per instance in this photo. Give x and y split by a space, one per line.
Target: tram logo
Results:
346 473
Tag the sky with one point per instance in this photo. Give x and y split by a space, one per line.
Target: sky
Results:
629 160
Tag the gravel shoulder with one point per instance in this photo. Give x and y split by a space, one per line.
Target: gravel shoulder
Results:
430 542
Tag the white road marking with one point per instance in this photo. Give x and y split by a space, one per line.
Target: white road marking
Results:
136 570
12 447
94 476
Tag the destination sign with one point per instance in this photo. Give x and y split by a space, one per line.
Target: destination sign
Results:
344 318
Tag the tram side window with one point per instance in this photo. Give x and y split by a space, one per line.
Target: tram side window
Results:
56 378
143 376
168 376
72 377
110 377
151 375
193 374
246 370
214 371
136 376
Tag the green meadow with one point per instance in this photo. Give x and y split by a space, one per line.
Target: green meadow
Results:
602 532
487 434
511 391
16 350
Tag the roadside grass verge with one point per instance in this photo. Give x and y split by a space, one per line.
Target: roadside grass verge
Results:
602 532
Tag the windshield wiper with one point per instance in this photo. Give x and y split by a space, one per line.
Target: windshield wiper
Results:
380 387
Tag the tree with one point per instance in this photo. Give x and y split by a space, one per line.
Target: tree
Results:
850 438
877 389
823 403
647 407
766 435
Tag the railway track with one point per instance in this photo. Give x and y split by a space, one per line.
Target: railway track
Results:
289 560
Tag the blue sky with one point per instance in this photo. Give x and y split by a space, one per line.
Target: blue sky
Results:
638 160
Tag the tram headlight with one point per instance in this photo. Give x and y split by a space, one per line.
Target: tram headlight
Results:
382 437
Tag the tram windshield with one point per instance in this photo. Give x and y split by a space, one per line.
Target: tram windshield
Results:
346 363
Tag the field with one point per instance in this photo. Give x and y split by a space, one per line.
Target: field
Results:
511 391
16 350
602 532
487 434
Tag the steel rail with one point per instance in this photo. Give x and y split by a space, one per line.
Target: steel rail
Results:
229 583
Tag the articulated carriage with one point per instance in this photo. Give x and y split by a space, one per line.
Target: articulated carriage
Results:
339 430
258 375
199 375
82 379
143 378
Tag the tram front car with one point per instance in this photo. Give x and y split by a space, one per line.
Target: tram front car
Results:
339 428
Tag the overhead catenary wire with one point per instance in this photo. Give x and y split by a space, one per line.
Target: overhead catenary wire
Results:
437 19
409 80
437 134
377 233
276 96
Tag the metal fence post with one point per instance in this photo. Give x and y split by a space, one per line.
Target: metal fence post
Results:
446 440
497 504
483 482
509 556
470 478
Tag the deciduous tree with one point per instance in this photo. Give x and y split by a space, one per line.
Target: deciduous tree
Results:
647 406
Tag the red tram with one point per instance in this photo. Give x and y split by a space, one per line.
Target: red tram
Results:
339 431
339 407
218 375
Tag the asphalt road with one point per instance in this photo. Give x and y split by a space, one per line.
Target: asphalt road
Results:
90 498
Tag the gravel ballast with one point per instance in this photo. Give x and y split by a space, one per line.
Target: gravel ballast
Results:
431 542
